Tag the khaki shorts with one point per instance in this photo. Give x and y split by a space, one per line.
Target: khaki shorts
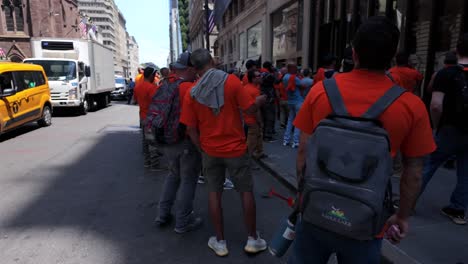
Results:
214 170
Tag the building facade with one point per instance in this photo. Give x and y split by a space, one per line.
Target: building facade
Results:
198 25
133 58
175 37
121 53
20 20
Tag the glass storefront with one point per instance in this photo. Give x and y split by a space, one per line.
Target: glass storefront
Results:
254 41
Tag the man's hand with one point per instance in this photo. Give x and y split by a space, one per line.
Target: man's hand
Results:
395 235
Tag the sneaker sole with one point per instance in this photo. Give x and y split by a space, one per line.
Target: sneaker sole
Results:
218 254
254 250
457 221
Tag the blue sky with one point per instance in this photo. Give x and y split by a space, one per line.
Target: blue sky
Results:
149 23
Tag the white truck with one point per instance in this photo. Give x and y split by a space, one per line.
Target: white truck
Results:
80 72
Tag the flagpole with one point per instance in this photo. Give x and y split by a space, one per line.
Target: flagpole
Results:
207 17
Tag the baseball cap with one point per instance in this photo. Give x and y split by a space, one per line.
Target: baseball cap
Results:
183 61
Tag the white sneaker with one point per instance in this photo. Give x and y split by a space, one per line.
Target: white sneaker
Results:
219 247
254 246
228 185
285 143
295 145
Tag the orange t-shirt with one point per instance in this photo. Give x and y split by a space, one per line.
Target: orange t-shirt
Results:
406 77
139 79
222 135
254 92
406 120
184 87
143 94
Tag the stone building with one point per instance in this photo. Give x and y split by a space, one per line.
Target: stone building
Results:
20 20
133 56
198 27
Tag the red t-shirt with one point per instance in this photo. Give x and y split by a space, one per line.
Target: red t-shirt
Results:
143 94
406 120
406 77
254 92
221 135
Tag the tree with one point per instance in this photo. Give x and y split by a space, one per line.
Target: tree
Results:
184 23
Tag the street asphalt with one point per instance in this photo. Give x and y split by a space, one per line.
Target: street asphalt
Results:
76 192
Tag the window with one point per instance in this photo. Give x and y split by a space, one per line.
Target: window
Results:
14 16
28 79
6 81
81 70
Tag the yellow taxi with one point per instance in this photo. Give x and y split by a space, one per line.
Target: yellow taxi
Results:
24 96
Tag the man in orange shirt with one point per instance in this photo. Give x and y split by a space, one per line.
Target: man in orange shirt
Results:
328 70
143 93
140 78
283 98
404 75
406 122
211 113
250 65
254 121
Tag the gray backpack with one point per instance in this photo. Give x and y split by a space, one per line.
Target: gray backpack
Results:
347 188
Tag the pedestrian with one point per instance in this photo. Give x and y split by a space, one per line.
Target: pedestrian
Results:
131 87
449 112
347 64
164 73
213 120
405 75
184 159
328 70
332 159
143 94
295 100
268 110
249 65
306 82
283 108
254 122
140 76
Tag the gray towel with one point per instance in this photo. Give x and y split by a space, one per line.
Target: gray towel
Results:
209 90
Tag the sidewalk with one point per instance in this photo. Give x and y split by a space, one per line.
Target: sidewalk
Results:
433 238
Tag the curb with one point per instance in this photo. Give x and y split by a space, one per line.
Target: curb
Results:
391 254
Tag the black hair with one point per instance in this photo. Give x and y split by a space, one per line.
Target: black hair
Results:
451 58
231 71
306 73
251 75
402 59
149 71
164 70
250 63
267 65
462 46
376 42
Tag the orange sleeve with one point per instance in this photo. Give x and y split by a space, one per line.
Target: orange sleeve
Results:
305 117
188 115
243 97
245 79
419 141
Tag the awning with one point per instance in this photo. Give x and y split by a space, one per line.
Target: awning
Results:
220 8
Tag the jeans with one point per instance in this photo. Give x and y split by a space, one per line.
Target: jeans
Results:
284 112
450 141
269 118
184 162
315 246
293 109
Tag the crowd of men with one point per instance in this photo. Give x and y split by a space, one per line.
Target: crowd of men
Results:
204 119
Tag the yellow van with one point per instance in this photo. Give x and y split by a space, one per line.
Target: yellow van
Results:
24 96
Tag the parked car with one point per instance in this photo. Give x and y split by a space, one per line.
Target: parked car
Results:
24 96
121 89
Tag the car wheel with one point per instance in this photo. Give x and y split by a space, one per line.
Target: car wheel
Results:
84 107
46 119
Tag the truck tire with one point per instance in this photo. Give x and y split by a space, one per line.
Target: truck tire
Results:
103 101
84 107
46 119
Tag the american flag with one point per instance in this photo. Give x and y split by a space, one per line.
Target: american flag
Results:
211 21
83 27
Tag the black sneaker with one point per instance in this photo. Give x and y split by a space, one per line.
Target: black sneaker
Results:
163 221
194 225
457 216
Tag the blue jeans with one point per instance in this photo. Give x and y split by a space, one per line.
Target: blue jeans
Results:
293 109
450 141
315 246
184 162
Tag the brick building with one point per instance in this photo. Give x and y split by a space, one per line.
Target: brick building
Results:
20 20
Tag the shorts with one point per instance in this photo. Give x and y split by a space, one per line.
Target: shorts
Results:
239 170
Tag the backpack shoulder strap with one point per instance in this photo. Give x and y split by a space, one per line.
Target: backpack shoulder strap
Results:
384 102
334 96
389 75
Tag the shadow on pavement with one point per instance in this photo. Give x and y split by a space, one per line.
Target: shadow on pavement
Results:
100 207
19 131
